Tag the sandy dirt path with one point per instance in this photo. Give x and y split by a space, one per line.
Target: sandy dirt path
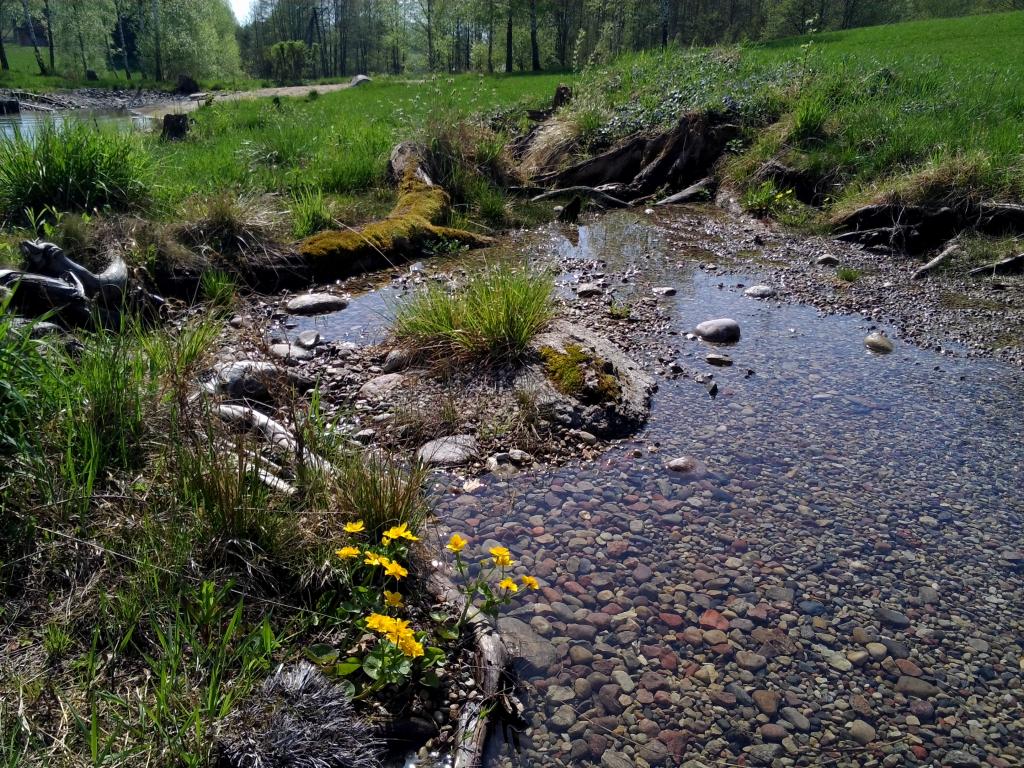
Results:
193 102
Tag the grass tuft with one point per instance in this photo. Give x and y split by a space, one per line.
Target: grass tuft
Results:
495 315
310 213
72 168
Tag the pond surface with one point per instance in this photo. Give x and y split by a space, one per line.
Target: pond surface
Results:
28 124
838 500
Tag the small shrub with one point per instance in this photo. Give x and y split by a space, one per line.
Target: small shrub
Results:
766 199
848 274
381 492
72 168
310 213
494 315
230 226
218 288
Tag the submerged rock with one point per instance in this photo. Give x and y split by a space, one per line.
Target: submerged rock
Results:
760 292
724 330
878 342
533 652
452 451
254 380
316 304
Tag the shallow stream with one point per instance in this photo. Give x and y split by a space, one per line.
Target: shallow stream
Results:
28 124
851 522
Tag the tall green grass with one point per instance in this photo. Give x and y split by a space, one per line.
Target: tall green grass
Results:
74 167
921 110
495 314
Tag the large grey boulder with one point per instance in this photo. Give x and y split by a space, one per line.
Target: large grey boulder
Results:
613 417
453 451
316 304
358 80
724 330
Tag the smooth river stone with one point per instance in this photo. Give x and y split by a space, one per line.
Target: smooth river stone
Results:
724 330
316 304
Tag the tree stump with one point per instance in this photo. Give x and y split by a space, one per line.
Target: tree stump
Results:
187 85
10 107
563 95
175 128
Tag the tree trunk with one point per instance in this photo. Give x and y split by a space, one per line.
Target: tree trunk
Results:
124 43
4 65
490 36
430 35
534 48
48 14
508 40
30 24
157 64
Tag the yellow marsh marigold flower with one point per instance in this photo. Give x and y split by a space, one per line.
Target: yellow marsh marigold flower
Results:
378 622
530 582
508 584
456 543
346 553
399 532
391 568
502 557
393 599
410 646
372 558
357 527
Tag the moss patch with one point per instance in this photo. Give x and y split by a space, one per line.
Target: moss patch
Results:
412 225
581 375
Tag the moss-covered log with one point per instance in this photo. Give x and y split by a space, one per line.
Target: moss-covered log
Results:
412 226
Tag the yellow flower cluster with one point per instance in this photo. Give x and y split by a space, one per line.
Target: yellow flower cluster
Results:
399 532
502 557
391 568
397 631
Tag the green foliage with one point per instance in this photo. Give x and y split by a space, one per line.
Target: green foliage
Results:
809 118
218 288
381 492
310 213
848 274
579 374
495 314
288 61
766 199
73 168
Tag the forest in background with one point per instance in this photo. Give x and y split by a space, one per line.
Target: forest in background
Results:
294 40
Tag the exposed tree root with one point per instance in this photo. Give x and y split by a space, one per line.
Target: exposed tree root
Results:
410 227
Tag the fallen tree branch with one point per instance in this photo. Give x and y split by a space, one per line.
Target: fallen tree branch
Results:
948 253
594 194
273 432
490 672
411 227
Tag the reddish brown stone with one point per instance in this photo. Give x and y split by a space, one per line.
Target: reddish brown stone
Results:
712 619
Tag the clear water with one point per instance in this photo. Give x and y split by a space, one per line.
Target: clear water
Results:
853 478
28 124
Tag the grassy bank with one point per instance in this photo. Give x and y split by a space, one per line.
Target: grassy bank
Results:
923 111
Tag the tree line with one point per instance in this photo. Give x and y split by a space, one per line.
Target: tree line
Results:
342 37
158 39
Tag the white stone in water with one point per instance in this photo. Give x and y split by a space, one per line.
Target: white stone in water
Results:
589 289
877 341
724 330
664 291
828 260
316 304
449 451
760 292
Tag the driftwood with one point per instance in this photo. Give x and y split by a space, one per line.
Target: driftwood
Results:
273 432
597 195
411 227
947 253
55 284
703 190
1014 265
492 673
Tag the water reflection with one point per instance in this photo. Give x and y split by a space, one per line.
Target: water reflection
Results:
28 124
